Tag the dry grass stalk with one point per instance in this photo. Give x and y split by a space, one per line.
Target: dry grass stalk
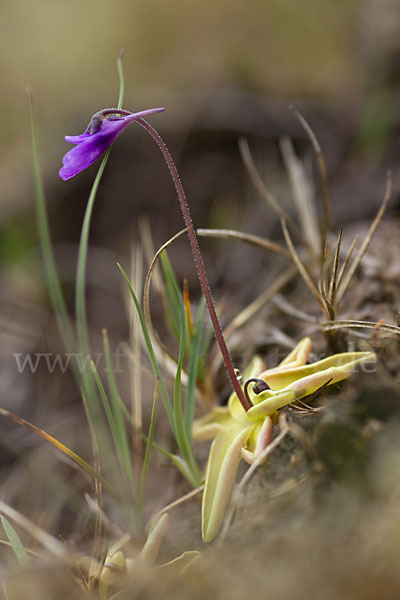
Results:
367 240
302 269
149 251
146 294
287 308
262 188
341 324
175 504
324 176
324 295
303 197
55 547
111 527
256 305
334 275
253 240
346 262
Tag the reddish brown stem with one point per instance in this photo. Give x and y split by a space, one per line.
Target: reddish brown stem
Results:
198 259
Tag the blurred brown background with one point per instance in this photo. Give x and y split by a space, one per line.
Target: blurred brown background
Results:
194 57
223 70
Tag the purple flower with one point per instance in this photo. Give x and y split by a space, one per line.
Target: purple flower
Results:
104 127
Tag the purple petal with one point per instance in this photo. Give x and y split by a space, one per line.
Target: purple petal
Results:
82 156
76 139
90 148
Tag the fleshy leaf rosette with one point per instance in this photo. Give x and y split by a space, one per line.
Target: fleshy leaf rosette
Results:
104 127
239 434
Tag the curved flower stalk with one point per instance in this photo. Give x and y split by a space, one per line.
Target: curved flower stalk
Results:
245 435
102 130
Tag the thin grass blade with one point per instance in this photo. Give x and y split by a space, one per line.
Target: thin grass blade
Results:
118 441
120 434
67 451
174 298
149 447
193 370
16 544
302 269
364 246
181 436
55 291
324 177
80 298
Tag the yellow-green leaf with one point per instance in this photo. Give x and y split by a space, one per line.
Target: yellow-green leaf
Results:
207 427
180 564
342 365
221 471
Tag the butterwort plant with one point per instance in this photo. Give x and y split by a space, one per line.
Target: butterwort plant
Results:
243 429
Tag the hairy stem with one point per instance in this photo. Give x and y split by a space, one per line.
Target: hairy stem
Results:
198 259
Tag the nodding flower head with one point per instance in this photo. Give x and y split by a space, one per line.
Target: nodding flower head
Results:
104 127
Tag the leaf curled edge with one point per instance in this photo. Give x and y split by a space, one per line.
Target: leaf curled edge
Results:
221 471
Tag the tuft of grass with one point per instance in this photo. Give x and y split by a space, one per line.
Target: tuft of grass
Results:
327 285
187 464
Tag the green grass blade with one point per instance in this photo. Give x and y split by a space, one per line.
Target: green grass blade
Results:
120 435
205 345
116 401
169 314
193 371
144 437
114 432
171 304
121 80
15 542
178 461
80 300
149 446
55 291
181 436
80 303
174 302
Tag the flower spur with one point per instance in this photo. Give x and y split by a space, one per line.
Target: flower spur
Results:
239 434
